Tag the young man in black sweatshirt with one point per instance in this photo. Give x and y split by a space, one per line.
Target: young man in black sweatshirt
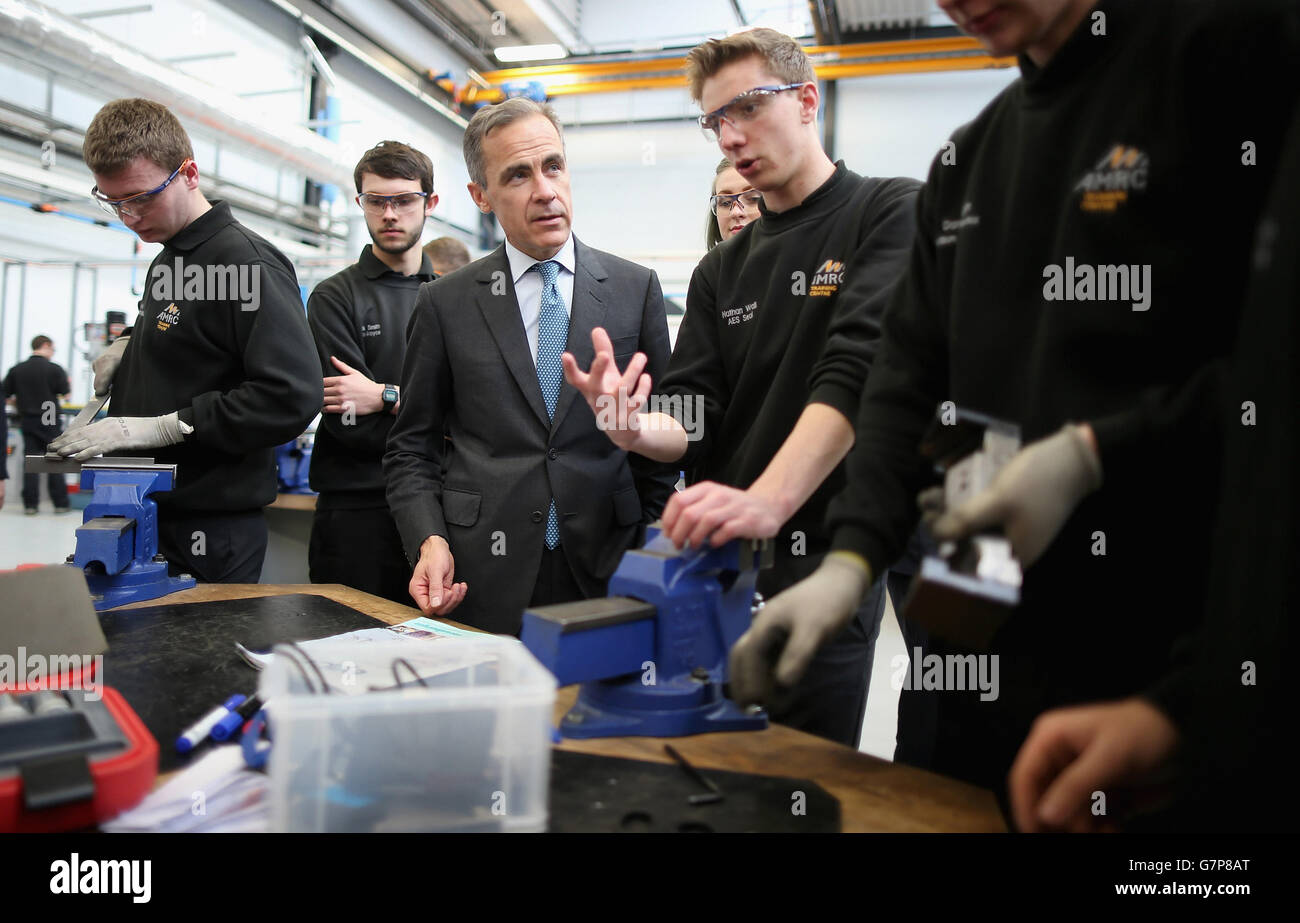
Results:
359 317
219 367
780 332
1079 260
1218 726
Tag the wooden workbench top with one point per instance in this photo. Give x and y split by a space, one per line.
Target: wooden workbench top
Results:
304 502
875 795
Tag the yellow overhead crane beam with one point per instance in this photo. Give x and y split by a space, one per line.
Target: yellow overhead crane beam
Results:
830 62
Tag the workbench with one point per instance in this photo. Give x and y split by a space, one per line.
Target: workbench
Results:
875 795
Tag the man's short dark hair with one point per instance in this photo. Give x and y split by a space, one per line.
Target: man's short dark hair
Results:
129 128
395 160
446 254
499 115
39 341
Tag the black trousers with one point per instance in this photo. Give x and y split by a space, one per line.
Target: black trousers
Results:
36 439
555 581
359 548
214 547
831 699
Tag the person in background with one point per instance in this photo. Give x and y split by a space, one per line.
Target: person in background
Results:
447 254
733 203
37 387
219 368
358 318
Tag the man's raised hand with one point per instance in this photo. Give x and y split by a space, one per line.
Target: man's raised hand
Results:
616 398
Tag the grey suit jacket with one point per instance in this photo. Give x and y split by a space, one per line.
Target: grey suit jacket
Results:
472 456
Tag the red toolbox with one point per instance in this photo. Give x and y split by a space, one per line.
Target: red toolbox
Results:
72 751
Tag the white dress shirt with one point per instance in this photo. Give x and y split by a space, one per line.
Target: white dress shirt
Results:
528 287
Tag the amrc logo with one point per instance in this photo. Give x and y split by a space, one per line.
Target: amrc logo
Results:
828 278
1107 185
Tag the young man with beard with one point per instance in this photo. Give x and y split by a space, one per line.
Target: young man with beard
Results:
359 318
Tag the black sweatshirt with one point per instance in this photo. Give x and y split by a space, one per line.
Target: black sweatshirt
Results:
1125 150
783 315
360 315
36 383
241 369
1237 734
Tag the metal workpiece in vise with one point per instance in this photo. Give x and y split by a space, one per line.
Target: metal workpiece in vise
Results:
117 541
652 656
965 591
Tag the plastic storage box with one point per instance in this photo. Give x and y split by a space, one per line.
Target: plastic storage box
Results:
466 747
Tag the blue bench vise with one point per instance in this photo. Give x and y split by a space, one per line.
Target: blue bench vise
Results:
117 541
293 464
652 656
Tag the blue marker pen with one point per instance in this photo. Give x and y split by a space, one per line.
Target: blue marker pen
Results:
199 731
231 723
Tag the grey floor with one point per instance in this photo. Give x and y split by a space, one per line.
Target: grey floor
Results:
41 539
47 539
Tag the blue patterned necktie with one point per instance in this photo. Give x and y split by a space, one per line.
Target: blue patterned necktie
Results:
552 337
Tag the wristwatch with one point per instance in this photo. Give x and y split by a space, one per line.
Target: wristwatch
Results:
391 395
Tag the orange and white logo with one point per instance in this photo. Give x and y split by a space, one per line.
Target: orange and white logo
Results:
1121 171
827 279
169 317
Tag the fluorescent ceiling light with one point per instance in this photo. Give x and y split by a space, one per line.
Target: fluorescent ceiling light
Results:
512 53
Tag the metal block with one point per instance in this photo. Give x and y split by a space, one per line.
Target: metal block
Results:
108 541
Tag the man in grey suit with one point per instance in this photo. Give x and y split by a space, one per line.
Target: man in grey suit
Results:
505 493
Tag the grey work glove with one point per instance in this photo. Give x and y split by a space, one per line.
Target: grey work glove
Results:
106 363
113 434
1032 497
788 631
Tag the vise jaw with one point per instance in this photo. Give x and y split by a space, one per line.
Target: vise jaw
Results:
117 541
652 657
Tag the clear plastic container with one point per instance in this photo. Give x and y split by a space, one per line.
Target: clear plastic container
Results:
467 751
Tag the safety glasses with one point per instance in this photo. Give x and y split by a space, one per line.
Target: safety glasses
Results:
137 204
406 202
747 201
745 107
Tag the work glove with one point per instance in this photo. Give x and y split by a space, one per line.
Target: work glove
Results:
1031 497
106 363
788 630
114 434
